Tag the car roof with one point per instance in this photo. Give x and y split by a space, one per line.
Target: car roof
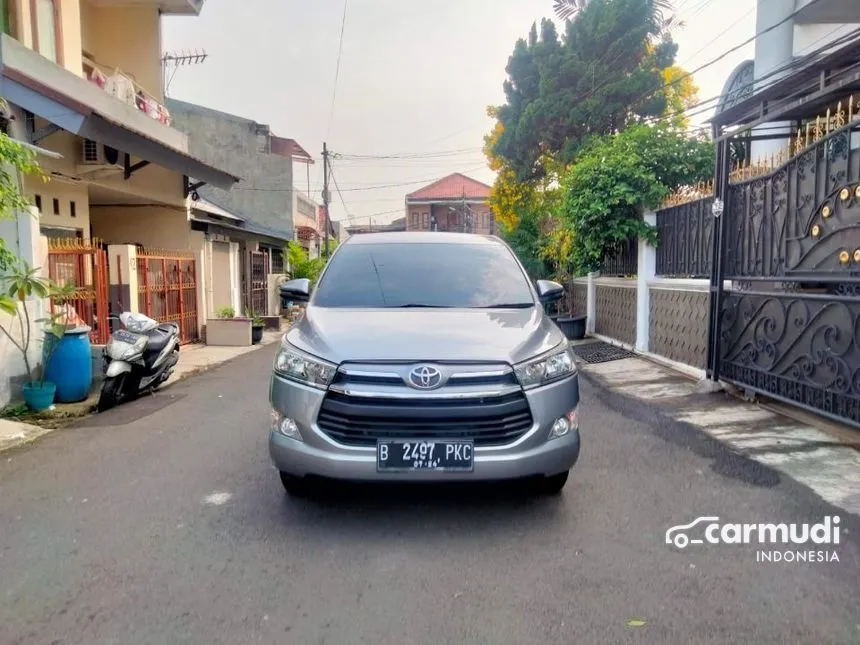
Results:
423 237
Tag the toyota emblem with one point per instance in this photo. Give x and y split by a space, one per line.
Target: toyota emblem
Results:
425 377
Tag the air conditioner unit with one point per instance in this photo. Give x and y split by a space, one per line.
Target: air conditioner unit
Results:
94 153
99 160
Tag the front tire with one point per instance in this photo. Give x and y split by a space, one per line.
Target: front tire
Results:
296 486
553 484
115 390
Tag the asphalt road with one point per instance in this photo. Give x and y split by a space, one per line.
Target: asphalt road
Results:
162 522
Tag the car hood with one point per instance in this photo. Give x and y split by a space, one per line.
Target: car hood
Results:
498 335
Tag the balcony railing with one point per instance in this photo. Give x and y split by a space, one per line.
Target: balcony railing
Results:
126 89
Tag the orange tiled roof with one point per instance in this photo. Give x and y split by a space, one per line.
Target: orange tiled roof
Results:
456 186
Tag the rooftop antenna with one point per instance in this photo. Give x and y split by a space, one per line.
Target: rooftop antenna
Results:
176 60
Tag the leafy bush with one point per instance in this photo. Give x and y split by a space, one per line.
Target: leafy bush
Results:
605 191
301 266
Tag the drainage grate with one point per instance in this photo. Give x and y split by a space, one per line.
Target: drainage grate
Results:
601 352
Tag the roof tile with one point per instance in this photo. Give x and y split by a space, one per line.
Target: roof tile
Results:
455 186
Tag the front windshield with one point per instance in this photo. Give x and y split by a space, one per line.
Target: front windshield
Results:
423 275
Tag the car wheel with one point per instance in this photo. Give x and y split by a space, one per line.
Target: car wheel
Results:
553 484
295 486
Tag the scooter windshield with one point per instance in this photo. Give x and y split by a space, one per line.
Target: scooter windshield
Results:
137 323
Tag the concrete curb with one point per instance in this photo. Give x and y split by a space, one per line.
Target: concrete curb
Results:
14 434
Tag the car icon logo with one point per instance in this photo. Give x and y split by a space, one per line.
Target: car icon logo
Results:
425 377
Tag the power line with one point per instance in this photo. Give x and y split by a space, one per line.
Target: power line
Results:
337 68
681 78
347 190
337 188
796 63
408 155
717 37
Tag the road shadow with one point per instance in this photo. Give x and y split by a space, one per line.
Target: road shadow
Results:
130 412
425 512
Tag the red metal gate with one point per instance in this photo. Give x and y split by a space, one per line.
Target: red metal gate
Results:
84 264
258 292
167 289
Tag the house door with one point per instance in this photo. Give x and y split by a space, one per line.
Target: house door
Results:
222 281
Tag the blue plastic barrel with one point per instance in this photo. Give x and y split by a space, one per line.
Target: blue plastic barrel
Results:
70 367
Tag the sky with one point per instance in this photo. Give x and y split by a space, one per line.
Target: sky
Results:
415 78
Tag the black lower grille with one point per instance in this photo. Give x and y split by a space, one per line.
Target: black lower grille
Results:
361 421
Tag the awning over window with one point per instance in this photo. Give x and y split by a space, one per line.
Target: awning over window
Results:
37 85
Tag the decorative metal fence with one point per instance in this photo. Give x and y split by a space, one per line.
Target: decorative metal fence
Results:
167 289
84 264
790 328
686 238
621 261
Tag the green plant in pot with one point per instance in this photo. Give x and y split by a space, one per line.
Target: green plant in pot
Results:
225 312
257 326
21 284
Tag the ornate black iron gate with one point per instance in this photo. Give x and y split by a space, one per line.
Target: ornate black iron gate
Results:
789 242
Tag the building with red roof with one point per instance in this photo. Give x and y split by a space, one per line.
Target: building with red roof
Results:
455 203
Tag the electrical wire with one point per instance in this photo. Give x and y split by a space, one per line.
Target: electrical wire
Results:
717 37
714 61
337 188
778 72
337 68
347 190
726 53
409 155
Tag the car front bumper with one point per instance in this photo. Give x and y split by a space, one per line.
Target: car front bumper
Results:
318 455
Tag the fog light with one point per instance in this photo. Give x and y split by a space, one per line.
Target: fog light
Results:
285 425
560 428
563 425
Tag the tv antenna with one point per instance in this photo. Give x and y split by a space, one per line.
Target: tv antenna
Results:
175 61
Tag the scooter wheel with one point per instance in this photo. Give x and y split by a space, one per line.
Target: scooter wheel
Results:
114 390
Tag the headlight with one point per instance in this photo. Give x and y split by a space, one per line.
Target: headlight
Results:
546 369
298 366
127 351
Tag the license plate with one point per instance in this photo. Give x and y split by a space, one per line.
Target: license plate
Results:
407 456
125 336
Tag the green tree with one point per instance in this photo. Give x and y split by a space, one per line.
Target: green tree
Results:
603 74
302 266
15 160
615 176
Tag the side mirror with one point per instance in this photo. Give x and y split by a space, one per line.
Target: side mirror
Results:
549 291
299 290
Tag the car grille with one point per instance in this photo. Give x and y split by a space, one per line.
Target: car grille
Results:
362 408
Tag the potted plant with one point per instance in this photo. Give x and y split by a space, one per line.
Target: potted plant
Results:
21 284
228 330
257 326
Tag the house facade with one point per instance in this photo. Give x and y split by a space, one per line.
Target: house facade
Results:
267 211
392 227
455 203
83 82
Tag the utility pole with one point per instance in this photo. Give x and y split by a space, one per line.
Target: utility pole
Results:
325 197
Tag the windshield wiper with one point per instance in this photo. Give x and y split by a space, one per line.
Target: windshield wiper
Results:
509 305
418 305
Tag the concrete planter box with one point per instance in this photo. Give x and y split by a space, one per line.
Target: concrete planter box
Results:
228 332
272 322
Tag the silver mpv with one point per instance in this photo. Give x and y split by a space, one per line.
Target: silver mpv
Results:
424 357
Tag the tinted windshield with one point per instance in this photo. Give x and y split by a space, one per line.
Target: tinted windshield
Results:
423 275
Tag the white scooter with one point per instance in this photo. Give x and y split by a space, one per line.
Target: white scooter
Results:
138 358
